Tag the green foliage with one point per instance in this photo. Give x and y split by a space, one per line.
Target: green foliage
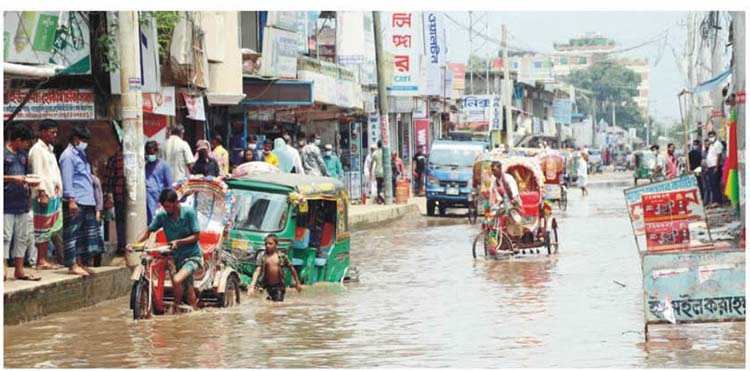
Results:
165 24
106 42
610 84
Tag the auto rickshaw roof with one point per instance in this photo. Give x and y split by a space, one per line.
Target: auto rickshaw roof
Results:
308 185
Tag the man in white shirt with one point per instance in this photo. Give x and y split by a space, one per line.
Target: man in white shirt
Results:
47 199
177 153
714 172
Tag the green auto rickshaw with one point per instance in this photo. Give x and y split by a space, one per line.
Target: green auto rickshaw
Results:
644 163
309 214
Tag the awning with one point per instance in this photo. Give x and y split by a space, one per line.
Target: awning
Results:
21 70
713 83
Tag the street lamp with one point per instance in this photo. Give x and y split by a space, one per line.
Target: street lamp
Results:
682 100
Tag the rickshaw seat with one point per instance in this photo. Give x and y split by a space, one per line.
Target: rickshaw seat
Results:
301 238
161 238
327 236
530 203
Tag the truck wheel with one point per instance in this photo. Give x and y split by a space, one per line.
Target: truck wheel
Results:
430 208
442 209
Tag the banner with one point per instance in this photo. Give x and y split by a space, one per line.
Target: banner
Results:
195 107
71 50
435 50
279 57
56 104
422 133
162 103
402 39
678 196
477 110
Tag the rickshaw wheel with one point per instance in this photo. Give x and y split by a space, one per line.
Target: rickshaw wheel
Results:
635 180
479 250
231 295
141 308
430 208
548 243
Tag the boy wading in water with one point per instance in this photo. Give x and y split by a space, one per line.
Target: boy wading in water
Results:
270 271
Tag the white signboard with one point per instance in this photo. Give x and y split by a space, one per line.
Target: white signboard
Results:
435 50
402 35
162 103
279 53
57 104
479 109
28 36
195 107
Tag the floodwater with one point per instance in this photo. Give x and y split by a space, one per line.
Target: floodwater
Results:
421 301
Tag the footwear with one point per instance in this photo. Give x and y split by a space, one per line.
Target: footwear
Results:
29 277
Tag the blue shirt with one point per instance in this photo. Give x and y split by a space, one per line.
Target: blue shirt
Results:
76 176
16 195
186 225
158 178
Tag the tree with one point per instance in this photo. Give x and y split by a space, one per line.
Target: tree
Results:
605 84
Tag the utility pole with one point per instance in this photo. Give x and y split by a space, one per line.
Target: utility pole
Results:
132 124
471 51
738 46
690 62
648 128
383 104
716 67
507 91
593 124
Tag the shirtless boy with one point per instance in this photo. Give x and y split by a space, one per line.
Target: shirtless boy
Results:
270 271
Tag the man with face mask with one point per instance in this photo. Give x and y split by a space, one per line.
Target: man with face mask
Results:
694 156
80 227
205 165
158 178
252 143
714 171
333 164
267 154
312 160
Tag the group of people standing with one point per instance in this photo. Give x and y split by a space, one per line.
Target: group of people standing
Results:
45 195
710 159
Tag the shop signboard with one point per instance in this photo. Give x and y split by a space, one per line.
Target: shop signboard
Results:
161 103
671 200
481 109
694 286
402 39
56 104
279 57
71 50
562 110
29 36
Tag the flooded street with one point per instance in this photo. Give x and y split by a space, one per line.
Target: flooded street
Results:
421 301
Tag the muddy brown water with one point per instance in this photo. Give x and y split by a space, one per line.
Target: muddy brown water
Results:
421 301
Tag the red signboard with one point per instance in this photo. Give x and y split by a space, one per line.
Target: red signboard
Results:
666 216
155 127
422 133
384 130
739 97
716 113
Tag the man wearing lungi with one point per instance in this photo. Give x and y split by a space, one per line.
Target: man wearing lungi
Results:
47 198
80 227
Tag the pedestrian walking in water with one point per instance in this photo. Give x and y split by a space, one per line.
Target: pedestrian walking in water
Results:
583 173
270 271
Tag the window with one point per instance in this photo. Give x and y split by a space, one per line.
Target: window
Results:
582 60
537 65
564 60
249 31
258 211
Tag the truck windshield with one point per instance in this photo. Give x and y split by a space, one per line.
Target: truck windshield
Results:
458 156
259 211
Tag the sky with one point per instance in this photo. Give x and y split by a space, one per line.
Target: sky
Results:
539 30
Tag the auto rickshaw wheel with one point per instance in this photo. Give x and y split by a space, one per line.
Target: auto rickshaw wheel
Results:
472 212
141 308
563 199
231 295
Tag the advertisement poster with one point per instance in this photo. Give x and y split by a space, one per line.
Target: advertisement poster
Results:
435 50
56 104
162 103
667 235
422 133
195 107
562 110
29 36
155 127
687 183
279 57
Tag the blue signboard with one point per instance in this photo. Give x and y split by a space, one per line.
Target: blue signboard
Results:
696 286
562 110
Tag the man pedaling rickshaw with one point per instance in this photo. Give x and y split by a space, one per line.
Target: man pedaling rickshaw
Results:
504 200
